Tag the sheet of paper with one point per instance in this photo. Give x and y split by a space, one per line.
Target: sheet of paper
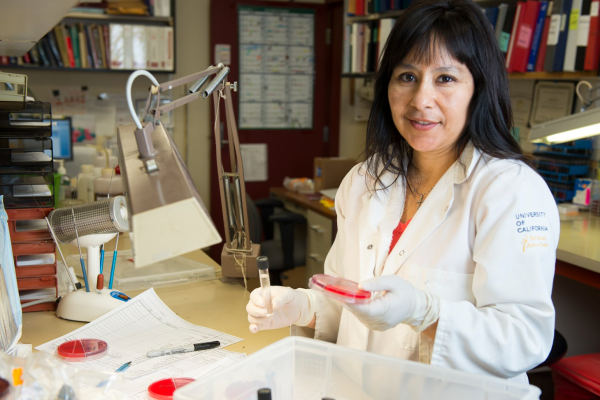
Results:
254 157
142 324
277 66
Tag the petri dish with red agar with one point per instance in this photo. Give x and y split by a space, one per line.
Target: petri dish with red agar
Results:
82 350
164 389
339 289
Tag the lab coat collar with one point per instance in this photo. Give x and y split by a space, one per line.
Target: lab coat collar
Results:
431 214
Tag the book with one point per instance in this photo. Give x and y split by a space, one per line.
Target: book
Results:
553 34
509 24
44 48
351 10
53 47
346 59
61 45
492 15
537 36
89 30
69 46
502 10
385 28
592 54
360 7
102 47
142 37
106 38
74 34
35 55
572 37
520 11
583 32
26 58
86 57
541 58
117 46
524 38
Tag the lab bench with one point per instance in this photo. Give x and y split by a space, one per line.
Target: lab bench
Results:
210 304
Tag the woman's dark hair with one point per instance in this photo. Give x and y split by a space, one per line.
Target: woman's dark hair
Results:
461 28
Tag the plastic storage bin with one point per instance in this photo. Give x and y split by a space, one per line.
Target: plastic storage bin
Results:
25 119
299 368
25 155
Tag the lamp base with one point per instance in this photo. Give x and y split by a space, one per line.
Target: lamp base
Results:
230 267
87 306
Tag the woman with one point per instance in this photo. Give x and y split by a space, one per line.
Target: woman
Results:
445 215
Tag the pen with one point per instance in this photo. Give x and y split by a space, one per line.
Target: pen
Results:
123 367
184 349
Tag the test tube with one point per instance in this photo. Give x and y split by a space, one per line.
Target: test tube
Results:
265 284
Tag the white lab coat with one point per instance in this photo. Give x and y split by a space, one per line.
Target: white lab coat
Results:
484 241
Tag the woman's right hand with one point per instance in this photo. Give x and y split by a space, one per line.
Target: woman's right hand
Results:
290 307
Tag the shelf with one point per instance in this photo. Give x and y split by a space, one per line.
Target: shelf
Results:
514 75
357 75
38 68
374 17
553 75
135 19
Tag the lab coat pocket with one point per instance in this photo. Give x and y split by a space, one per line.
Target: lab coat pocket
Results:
407 338
450 285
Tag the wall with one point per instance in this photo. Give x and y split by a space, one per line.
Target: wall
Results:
352 133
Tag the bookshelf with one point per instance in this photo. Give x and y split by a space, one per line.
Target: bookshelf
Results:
155 35
372 34
516 75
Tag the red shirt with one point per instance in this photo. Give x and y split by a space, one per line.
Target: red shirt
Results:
397 233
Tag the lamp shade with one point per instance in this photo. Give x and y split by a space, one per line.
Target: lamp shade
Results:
566 129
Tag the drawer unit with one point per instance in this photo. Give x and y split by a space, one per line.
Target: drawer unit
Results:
319 241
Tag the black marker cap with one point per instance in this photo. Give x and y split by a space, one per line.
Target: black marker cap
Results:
262 262
264 394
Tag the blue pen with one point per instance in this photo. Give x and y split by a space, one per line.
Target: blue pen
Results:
83 271
123 367
114 262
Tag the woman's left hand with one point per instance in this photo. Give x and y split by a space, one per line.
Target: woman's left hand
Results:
399 302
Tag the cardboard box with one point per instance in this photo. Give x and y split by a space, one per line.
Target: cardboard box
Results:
330 171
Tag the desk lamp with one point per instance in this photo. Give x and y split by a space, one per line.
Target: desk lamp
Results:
167 215
572 127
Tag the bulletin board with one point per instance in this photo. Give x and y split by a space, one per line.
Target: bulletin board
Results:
277 67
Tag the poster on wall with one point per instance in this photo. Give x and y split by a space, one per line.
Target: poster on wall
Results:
277 66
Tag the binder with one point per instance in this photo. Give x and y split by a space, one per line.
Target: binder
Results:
559 56
75 42
572 36
593 51
54 49
517 21
525 32
68 46
541 58
583 32
537 36
61 45
553 34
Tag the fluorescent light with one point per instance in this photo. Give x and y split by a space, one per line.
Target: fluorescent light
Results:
572 127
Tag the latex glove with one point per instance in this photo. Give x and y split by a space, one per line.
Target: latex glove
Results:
290 307
400 303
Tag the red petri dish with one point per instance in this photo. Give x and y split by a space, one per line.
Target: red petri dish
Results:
81 350
339 289
164 389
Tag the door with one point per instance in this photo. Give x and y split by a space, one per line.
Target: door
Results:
290 151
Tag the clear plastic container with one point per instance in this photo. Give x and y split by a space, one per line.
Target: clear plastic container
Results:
340 289
297 368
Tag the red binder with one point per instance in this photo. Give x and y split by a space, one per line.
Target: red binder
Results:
592 52
515 25
525 29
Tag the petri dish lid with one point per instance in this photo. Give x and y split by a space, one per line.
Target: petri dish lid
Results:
339 289
164 389
81 350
